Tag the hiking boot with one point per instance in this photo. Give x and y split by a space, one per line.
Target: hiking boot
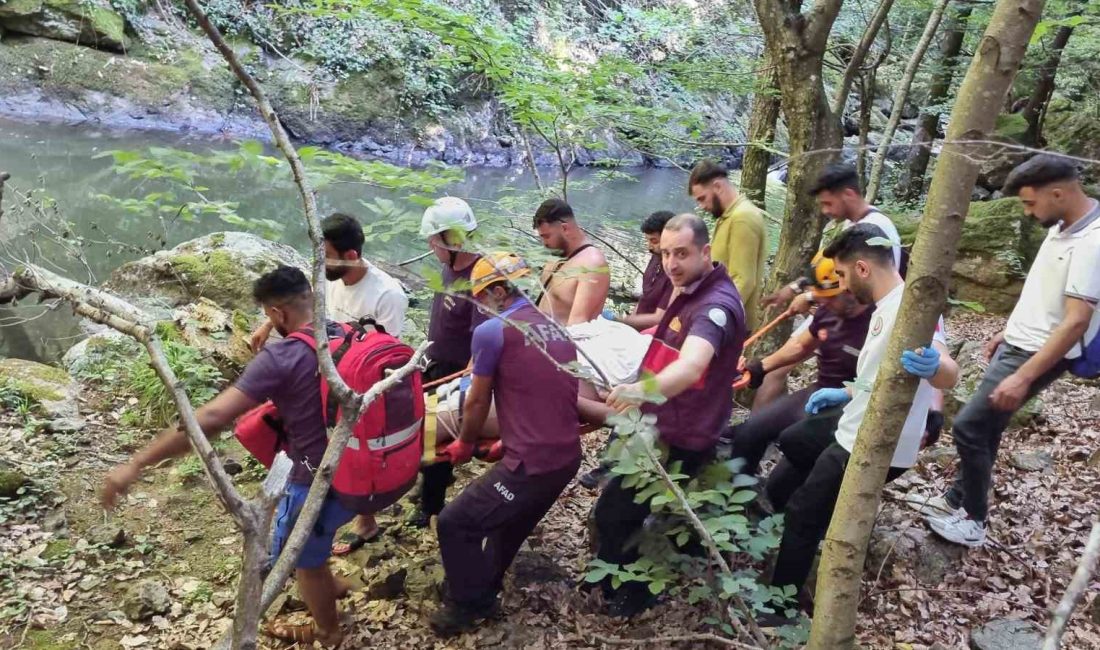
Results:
930 507
419 519
592 479
454 618
630 600
959 528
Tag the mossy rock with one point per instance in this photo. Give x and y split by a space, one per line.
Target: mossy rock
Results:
1068 129
220 267
90 78
1011 125
90 23
11 480
50 389
997 246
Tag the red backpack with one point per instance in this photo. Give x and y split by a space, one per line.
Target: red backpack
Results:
383 454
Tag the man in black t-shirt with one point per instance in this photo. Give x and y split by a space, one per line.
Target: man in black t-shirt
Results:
835 336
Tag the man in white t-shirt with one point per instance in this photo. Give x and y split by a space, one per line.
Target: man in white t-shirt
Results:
839 198
815 455
1057 310
355 289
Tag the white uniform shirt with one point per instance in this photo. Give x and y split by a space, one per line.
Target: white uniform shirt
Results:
870 358
1068 264
378 295
876 218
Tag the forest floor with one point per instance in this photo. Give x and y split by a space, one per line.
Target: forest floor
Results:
69 573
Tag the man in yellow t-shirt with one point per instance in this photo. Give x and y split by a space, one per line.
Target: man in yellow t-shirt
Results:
739 240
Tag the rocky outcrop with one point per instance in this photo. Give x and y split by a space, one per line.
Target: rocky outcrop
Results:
1068 129
85 22
220 267
50 389
997 246
1007 634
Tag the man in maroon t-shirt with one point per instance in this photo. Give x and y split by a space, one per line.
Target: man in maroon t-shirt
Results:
693 358
835 336
656 287
446 224
284 372
519 363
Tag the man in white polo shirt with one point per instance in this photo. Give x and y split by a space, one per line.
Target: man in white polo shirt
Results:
815 457
1057 310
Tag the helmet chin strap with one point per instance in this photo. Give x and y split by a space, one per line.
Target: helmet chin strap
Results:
454 257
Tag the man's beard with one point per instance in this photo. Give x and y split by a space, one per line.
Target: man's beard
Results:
716 207
335 273
1047 224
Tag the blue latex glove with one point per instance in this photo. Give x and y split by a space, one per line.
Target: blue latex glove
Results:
922 362
826 398
609 315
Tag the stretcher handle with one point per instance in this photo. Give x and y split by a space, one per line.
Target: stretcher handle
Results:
443 380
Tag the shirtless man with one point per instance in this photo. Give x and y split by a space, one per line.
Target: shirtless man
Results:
574 288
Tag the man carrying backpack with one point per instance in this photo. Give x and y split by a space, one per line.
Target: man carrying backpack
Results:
284 372
519 364
1055 317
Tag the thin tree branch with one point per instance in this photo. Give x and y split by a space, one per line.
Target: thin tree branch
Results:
856 62
902 95
702 637
712 547
1074 591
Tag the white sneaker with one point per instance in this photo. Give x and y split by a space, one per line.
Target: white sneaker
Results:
958 528
936 506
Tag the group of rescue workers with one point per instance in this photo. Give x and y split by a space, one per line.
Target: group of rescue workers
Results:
508 390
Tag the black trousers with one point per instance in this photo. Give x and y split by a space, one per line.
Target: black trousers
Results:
481 531
810 506
437 476
750 439
619 518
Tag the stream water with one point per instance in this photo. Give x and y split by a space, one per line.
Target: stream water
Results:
59 162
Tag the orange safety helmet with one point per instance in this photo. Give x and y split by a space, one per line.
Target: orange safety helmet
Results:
826 282
496 267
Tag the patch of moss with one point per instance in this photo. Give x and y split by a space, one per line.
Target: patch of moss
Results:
95 19
167 331
46 640
241 321
20 8
57 549
999 226
1010 125
215 275
36 382
1075 132
10 482
66 69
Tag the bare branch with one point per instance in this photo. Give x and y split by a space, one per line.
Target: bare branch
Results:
1074 591
712 547
856 62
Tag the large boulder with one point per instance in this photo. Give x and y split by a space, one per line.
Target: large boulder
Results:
1007 634
929 558
220 267
84 22
996 249
1002 151
1068 129
50 389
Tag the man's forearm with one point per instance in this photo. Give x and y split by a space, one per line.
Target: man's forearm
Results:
1061 341
677 377
170 443
474 414
792 352
642 321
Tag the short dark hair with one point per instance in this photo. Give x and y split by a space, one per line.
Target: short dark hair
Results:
700 235
285 282
855 242
553 211
655 222
1039 171
344 232
837 177
705 171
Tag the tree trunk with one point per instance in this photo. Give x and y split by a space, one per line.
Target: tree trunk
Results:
974 116
920 151
855 65
902 96
1044 86
813 130
765 113
866 105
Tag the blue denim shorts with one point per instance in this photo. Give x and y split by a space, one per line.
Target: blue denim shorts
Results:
318 545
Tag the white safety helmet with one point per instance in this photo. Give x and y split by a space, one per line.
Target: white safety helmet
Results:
447 213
